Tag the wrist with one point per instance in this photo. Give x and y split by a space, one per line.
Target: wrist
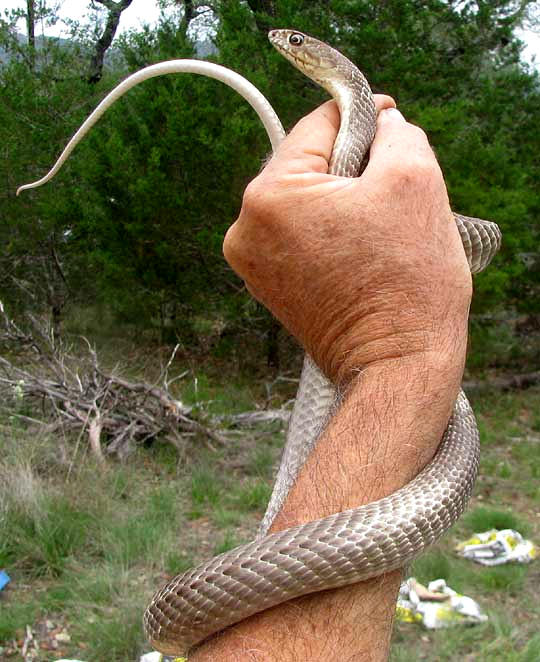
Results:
353 345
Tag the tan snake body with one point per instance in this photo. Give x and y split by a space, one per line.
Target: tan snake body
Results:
356 544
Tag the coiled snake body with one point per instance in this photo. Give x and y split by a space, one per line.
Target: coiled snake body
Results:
356 544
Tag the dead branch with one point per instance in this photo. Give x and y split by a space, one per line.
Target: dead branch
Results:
251 418
115 10
75 393
94 436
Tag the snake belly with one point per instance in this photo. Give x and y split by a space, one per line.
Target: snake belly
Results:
359 543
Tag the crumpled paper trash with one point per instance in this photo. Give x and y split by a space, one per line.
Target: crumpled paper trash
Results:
496 547
437 606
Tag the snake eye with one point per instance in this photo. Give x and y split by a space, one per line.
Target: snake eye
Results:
296 39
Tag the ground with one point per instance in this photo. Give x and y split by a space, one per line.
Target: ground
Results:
86 546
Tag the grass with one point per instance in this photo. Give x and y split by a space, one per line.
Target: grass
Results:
483 518
93 545
42 529
205 487
506 496
88 547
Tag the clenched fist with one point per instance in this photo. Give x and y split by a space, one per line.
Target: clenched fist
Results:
359 270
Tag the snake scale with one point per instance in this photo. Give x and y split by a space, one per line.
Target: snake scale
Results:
356 544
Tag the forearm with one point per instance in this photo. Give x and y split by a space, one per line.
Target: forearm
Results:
385 430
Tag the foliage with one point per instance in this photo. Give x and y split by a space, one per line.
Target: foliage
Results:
40 95
136 220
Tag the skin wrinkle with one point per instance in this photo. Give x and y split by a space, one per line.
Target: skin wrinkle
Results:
381 307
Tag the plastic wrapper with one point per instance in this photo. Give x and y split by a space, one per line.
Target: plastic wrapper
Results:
497 547
4 579
436 606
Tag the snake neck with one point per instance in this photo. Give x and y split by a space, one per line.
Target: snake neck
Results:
357 129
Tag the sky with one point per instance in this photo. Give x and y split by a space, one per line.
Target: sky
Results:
139 12
147 11
532 39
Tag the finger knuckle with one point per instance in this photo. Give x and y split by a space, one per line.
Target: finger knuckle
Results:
254 199
416 170
230 234
418 133
230 245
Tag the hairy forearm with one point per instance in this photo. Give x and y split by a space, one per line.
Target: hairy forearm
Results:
386 429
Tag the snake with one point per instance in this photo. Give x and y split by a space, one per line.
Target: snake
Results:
358 543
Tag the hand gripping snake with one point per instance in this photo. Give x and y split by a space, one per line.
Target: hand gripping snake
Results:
356 544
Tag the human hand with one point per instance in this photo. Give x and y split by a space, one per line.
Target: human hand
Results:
359 270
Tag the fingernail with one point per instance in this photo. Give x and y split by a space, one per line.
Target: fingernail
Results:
393 114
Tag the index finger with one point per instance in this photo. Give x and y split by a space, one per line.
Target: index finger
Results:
307 148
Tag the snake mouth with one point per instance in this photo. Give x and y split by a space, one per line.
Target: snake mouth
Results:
301 58
306 53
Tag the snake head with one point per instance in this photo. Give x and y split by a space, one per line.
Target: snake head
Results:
317 60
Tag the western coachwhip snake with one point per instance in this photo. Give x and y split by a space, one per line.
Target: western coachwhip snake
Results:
356 544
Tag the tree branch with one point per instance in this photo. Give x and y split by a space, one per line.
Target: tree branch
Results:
103 43
30 26
264 12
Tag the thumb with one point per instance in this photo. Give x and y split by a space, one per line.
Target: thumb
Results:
308 147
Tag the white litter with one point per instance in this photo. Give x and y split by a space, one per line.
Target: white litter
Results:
497 547
437 606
